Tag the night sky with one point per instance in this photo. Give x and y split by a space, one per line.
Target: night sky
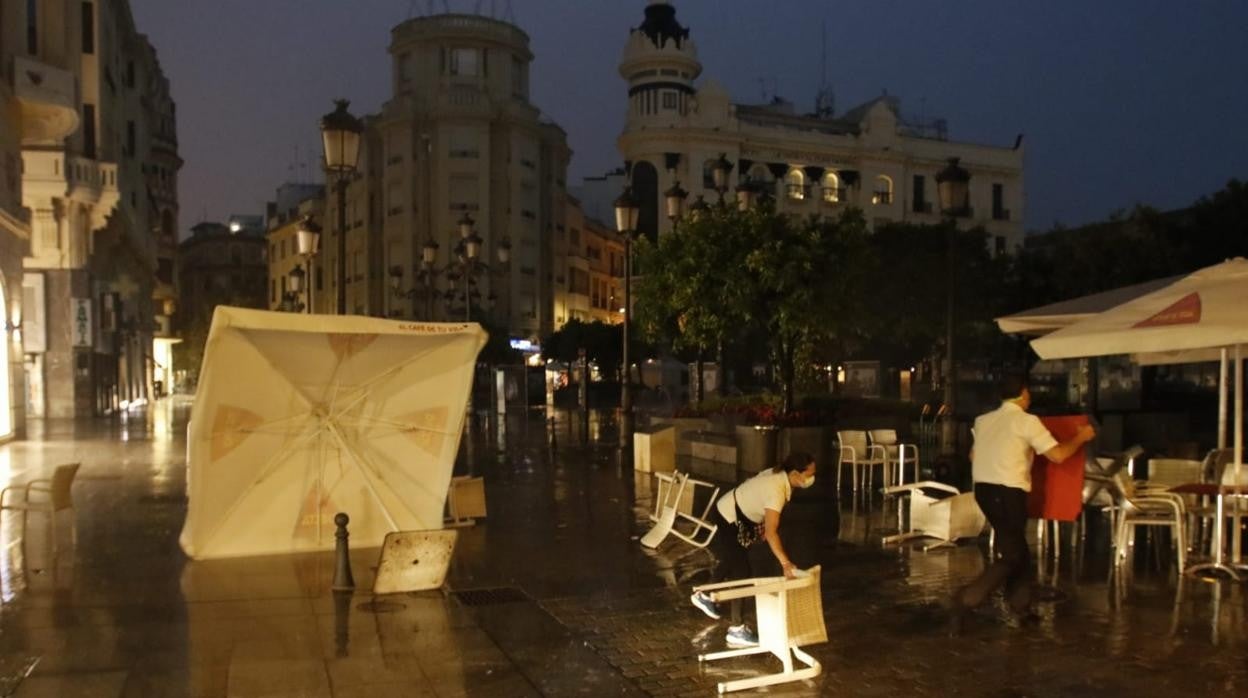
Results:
1122 102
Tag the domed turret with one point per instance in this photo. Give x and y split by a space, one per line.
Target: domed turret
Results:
660 64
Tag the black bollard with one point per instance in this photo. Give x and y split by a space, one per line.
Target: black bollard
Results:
342 623
343 581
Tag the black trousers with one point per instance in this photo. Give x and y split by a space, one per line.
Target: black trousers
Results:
1006 509
731 560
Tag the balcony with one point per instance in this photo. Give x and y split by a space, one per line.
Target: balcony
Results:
50 174
834 195
882 198
46 94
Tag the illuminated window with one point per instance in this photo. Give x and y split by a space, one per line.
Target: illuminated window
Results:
832 192
883 190
795 184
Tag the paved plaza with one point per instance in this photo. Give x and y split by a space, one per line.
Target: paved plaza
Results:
551 595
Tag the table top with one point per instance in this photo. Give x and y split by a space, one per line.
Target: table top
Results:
1210 489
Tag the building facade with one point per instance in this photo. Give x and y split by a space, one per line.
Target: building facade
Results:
100 164
589 276
869 156
458 137
219 264
14 227
296 206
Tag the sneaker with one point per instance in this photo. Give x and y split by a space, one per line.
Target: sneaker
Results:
741 636
704 604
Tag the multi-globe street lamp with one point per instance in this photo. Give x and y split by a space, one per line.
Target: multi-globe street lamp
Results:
341 134
467 267
953 187
627 212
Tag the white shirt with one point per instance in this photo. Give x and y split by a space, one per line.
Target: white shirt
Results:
1006 442
766 490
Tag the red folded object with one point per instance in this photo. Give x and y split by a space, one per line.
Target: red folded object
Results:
1057 488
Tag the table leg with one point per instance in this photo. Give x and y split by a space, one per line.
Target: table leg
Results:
1217 565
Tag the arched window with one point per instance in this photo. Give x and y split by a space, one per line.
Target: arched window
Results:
795 184
883 190
832 192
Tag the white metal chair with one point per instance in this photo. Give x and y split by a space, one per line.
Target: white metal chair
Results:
465 501
673 504
790 616
54 495
938 511
1147 509
896 455
859 455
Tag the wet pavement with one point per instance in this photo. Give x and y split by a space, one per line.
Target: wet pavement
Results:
551 595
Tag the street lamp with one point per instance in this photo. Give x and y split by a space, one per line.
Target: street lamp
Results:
627 211
699 209
719 175
296 285
340 133
675 200
307 244
953 187
747 195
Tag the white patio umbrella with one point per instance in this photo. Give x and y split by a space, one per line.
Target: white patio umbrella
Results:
1203 311
298 417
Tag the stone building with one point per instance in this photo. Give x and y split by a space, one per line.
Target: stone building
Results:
219 264
296 206
100 164
589 278
14 227
870 156
458 136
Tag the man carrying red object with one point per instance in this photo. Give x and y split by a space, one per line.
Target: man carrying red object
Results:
1006 441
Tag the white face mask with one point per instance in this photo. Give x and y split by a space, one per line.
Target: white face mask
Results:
807 483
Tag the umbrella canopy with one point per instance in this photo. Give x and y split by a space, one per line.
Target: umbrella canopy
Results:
1203 310
1047 318
298 417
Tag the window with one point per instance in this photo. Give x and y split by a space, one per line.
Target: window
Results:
463 193
795 184
832 192
883 190
283 250
920 203
88 28
669 100
320 279
999 212
272 290
32 27
88 130
465 61
129 79
519 78
1000 242
405 68
130 139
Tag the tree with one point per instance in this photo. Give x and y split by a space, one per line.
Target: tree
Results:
798 281
603 344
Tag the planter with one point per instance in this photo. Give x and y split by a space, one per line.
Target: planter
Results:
817 441
683 426
756 449
654 449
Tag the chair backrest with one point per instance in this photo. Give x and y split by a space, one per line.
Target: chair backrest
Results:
62 483
804 608
1123 486
1174 471
884 437
854 439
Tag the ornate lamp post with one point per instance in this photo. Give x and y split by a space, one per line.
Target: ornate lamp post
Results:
297 278
340 133
307 244
627 211
719 175
953 187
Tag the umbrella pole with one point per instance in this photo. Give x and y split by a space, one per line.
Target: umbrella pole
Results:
1239 449
1223 385
1217 564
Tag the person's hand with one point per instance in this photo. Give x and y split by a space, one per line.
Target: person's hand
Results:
789 570
1086 433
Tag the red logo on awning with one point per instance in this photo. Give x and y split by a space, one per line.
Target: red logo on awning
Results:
1186 311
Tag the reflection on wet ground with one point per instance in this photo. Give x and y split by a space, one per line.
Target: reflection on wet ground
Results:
551 595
